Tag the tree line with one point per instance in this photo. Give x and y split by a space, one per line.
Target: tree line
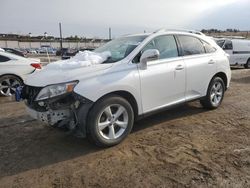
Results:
219 31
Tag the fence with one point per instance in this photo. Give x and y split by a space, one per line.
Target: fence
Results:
75 45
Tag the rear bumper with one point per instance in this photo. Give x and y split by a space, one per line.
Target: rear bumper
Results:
229 76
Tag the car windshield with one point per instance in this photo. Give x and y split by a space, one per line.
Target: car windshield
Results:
121 47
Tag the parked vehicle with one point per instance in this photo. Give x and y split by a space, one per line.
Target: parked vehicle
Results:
13 70
59 52
31 51
67 53
46 49
15 51
238 49
142 74
88 49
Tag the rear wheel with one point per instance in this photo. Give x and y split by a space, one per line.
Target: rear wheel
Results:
215 94
247 65
109 121
8 84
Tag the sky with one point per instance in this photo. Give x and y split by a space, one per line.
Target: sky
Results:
92 18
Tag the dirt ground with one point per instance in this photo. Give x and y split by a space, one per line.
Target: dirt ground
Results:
183 147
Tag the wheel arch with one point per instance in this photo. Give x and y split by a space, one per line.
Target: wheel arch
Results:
11 74
248 60
128 96
223 76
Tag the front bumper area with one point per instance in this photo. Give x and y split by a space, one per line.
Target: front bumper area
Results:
50 117
68 110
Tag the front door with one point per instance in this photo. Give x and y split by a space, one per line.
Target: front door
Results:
163 82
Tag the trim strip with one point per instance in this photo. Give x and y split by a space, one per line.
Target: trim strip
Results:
241 52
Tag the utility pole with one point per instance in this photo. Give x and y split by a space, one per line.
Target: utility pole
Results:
30 39
110 34
60 29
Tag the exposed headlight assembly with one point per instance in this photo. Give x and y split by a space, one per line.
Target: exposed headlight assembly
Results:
55 90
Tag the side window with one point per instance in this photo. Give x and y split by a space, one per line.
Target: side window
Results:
209 48
191 45
220 43
3 59
165 44
228 45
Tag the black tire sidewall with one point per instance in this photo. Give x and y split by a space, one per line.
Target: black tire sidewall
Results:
92 120
247 65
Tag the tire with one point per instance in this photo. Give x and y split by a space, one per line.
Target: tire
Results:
215 94
109 121
247 65
8 84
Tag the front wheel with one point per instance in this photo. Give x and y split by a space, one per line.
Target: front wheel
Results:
215 94
109 121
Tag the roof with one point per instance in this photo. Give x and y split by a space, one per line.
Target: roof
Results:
178 30
159 31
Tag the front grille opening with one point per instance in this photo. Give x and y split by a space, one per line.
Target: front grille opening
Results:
29 93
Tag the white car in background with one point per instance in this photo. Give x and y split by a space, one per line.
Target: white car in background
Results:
13 71
100 94
238 50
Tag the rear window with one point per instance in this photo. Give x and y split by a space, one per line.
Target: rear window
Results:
208 47
3 59
191 45
220 43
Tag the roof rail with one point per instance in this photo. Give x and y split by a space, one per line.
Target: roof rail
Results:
180 30
229 37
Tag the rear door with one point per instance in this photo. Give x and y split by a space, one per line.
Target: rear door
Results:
10 65
200 66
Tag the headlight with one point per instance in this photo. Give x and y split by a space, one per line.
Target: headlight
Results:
56 90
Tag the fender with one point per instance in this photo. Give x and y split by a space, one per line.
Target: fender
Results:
114 80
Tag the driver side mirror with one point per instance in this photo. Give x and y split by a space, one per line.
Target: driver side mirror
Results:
148 55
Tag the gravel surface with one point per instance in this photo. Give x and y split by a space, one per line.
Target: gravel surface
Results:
182 147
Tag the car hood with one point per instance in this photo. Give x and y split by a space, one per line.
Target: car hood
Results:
49 76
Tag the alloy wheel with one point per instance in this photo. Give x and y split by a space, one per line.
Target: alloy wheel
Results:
8 86
112 121
216 93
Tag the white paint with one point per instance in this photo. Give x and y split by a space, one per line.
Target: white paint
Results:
160 85
17 65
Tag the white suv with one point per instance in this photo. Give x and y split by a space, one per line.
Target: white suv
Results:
144 73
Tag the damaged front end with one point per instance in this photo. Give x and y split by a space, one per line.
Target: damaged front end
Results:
57 105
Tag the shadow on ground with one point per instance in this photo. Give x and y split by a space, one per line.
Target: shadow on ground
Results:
34 145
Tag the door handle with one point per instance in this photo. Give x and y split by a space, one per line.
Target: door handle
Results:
211 62
179 67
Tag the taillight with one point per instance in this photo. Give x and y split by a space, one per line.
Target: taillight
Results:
36 65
